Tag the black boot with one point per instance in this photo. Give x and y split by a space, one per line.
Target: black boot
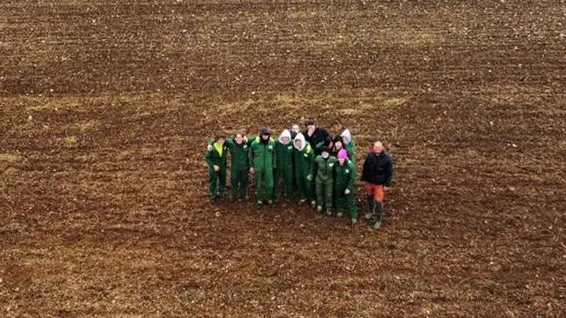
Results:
379 213
371 207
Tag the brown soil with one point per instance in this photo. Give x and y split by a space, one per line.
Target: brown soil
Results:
106 107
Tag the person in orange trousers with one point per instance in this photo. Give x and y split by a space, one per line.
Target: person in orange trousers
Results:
377 173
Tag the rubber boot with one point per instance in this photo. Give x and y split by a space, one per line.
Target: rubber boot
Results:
379 213
371 207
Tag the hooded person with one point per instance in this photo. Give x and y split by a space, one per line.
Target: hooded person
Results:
349 144
324 166
215 157
239 167
344 187
284 162
304 159
262 162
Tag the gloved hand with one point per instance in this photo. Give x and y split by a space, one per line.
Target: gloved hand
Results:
309 177
347 191
209 148
216 168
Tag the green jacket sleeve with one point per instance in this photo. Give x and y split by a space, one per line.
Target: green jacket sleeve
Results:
278 149
352 181
251 155
315 165
230 143
208 159
310 158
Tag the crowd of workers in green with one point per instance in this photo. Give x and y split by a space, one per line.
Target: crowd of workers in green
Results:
312 166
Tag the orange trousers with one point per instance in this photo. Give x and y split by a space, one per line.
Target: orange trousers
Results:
376 191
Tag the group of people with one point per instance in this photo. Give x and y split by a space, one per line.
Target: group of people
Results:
320 167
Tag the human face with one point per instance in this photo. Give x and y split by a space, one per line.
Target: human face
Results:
296 128
346 139
377 147
341 161
338 145
285 140
238 138
220 141
265 136
298 143
325 154
311 128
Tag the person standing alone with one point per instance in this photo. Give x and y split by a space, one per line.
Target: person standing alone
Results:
377 173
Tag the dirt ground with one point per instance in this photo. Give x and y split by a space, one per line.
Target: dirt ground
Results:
105 108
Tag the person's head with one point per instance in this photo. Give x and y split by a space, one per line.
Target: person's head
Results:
220 140
299 142
311 126
325 153
285 137
338 143
346 136
264 133
238 138
342 156
377 147
295 128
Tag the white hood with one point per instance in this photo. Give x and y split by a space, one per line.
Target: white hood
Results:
285 133
346 135
301 137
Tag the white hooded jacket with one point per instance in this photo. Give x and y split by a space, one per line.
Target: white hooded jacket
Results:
301 137
285 133
346 135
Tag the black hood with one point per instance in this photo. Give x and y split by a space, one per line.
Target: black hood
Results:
264 131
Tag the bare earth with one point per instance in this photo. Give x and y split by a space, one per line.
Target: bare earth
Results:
105 107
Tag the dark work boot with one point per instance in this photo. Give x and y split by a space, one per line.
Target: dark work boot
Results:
379 213
371 207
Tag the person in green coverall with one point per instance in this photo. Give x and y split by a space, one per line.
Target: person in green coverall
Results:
324 166
350 145
240 164
344 187
284 163
304 160
262 159
216 160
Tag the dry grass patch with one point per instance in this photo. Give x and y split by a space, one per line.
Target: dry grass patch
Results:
70 140
9 157
58 104
6 159
84 126
394 102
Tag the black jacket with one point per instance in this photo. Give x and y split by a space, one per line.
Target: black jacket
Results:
378 169
319 135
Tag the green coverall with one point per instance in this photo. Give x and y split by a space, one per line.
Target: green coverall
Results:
351 149
345 179
304 160
216 179
284 166
262 159
324 181
240 165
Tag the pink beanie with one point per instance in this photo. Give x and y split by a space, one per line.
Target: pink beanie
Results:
342 154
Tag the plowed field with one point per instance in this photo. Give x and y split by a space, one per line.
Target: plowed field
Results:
106 106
